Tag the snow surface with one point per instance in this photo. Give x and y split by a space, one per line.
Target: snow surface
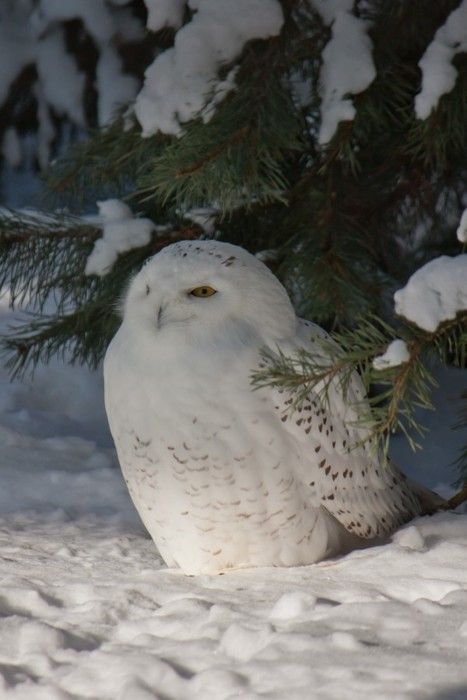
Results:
182 79
396 353
88 610
435 293
121 232
438 73
347 67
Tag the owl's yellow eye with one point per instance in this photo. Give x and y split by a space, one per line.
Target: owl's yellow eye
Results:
203 292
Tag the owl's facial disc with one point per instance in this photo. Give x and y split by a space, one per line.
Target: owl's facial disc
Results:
203 291
170 305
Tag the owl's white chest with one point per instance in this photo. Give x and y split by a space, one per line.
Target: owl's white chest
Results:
209 470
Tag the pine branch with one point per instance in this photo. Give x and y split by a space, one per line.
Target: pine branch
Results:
81 336
104 165
39 252
42 262
244 148
394 393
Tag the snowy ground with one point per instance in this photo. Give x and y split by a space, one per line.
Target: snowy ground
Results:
88 610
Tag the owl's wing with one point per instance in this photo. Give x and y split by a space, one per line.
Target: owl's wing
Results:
369 499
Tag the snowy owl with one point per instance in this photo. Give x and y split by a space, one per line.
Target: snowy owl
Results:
221 475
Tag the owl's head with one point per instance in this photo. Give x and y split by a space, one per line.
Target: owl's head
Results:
206 289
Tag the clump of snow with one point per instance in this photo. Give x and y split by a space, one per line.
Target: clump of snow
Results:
95 16
17 48
121 232
438 73
62 82
410 538
180 80
462 228
397 353
292 605
114 89
164 13
347 67
435 293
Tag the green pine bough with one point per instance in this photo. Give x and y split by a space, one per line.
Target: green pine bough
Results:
344 223
394 393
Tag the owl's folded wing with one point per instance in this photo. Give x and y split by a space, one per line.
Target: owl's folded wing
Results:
370 499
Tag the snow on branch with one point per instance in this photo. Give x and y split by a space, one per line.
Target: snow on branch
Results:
182 79
62 82
121 232
347 67
17 48
435 293
96 16
438 73
396 354
115 88
462 228
33 34
164 13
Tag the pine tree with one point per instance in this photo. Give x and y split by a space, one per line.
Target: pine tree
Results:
325 145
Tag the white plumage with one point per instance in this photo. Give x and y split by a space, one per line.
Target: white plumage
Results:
223 476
